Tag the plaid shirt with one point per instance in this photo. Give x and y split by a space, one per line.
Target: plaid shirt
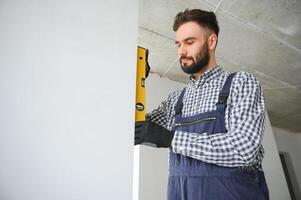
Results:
241 145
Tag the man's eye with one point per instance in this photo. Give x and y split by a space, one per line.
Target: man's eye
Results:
190 42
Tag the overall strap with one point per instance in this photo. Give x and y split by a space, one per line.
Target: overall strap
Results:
179 105
222 98
224 93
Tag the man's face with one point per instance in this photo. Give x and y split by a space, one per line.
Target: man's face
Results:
193 52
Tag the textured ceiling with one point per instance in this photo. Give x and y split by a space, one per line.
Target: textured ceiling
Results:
262 37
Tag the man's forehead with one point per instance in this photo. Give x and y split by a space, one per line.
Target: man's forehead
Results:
190 29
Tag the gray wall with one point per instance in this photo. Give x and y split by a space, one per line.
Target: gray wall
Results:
153 166
66 114
290 143
272 166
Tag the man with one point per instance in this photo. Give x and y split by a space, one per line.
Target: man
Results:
214 126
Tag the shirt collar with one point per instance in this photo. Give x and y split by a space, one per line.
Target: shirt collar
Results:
207 75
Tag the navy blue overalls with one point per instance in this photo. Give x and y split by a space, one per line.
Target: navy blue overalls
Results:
192 179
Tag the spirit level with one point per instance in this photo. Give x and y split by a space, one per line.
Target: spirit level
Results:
142 73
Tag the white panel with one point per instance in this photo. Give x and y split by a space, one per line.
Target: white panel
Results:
67 115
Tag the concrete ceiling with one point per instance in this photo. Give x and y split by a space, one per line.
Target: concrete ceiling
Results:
262 37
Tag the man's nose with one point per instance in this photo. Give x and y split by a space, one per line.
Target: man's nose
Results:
182 51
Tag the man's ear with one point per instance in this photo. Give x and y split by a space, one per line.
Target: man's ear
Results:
212 41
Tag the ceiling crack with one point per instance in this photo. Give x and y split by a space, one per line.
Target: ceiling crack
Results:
250 25
286 85
218 5
157 33
170 67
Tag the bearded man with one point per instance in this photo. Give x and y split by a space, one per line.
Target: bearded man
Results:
213 126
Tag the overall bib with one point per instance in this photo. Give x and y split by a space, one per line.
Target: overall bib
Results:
192 179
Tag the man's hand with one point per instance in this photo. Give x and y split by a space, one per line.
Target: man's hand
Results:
150 133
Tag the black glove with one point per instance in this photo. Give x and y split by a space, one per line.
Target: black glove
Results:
152 134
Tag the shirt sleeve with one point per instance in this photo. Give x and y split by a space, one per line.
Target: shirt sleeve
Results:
163 115
241 144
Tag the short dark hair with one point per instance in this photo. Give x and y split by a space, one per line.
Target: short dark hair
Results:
204 18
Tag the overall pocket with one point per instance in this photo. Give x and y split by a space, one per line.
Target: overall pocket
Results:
197 125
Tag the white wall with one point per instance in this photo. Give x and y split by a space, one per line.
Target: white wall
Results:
66 116
291 143
153 172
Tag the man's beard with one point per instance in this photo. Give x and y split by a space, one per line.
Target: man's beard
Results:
198 65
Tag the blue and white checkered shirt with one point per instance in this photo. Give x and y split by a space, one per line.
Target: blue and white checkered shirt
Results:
241 145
